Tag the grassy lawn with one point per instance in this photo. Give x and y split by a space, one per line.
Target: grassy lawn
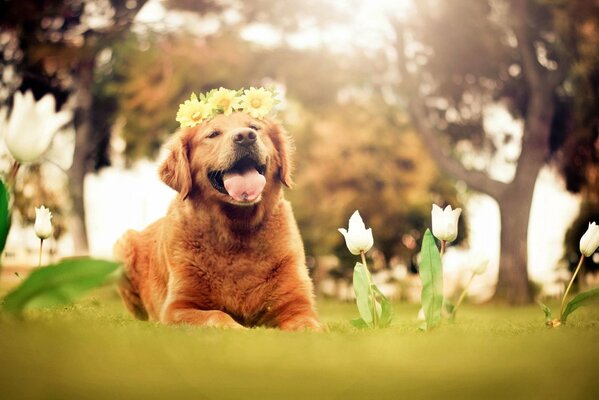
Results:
94 350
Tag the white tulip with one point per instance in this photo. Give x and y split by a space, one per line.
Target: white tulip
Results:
357 237
590 240
43 223
445 222
31 126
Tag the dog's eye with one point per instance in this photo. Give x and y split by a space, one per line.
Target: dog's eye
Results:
254 127
213 134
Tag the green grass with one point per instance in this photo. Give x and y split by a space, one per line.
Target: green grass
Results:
94 350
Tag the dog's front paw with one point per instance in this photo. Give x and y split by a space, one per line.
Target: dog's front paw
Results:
302 323
219 319
210 318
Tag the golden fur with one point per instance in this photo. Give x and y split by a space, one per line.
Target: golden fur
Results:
212 261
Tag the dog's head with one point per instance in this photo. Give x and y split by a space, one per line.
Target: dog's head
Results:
234 159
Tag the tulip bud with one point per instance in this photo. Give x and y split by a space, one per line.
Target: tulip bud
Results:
31 126
43 223
445 222
357 237
590 240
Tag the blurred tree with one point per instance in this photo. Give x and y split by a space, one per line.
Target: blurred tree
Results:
454 59
357 160
580 157
54 46
150 76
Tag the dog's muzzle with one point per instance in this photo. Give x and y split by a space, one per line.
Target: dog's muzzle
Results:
244 181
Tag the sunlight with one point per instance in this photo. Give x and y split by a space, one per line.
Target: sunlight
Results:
370 27
377 9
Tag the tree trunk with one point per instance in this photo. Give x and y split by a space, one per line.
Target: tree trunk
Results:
81 156
516 200
512 282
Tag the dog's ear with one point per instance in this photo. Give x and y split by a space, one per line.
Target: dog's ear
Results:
284 148
175 171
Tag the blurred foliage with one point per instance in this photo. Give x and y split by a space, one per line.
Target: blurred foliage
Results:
47 39
354 159
50 46
150 76
462 56
580 157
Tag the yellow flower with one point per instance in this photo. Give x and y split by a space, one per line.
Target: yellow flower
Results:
257 102
192 112
224 100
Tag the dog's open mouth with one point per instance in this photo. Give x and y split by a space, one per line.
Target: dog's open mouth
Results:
244 181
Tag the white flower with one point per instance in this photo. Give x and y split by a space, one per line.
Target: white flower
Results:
445 222
357 237
43 223
590 240
31 126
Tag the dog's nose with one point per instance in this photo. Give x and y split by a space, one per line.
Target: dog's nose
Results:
245 137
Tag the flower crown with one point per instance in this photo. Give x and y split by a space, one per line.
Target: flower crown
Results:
257 102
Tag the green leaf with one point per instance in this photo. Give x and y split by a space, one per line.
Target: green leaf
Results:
578 301
386 314
449 310
546 311
448 306
359 323
431 275
58 284
4 215
363 300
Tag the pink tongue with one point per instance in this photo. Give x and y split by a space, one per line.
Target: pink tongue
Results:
244 187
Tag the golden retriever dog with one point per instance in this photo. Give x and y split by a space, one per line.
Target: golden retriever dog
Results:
228 253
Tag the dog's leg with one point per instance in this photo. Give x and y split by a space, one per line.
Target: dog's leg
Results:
125 252
296 314
183 313
131 298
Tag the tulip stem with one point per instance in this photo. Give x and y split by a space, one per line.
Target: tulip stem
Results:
443 244
372 295
12 175
39 264
561 310
463 295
